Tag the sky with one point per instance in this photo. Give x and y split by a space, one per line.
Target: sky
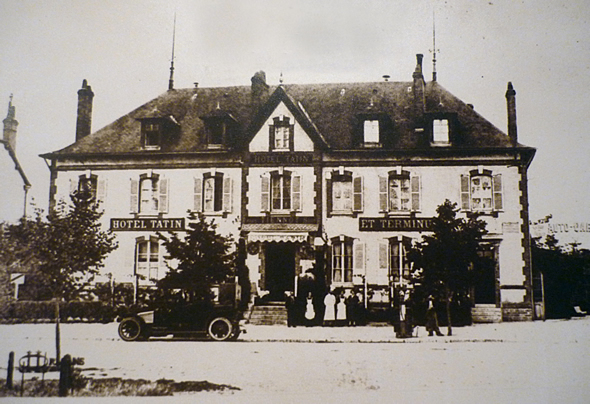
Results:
123 48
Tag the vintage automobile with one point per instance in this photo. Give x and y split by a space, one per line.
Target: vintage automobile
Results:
217 320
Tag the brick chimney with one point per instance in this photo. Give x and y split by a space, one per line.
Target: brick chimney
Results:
418 86
10 125
259 89
84 121
511 105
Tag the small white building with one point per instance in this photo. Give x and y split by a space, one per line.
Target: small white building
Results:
335 177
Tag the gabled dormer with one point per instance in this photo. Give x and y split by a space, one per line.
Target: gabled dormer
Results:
158 132
283 125
219 128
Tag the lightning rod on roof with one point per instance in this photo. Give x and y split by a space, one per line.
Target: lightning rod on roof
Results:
171 80
434 50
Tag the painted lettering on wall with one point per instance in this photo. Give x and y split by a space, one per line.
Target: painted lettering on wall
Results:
576 227
145 224
281 158
395 224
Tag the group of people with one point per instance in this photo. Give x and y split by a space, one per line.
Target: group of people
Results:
337 308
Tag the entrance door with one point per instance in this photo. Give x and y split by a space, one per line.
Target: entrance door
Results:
279 269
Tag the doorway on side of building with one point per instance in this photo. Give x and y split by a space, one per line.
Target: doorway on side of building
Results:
279 269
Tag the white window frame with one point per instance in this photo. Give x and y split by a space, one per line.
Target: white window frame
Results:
482 185
404 197
371 131
440 132
147 257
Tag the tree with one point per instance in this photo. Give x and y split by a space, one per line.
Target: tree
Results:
66 250
443 262
199 260
566 276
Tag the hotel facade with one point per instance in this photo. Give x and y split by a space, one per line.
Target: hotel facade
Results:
341 178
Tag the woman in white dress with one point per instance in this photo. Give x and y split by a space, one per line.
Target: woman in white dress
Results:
330 313
341 310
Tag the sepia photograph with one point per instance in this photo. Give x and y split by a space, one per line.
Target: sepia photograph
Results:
278 201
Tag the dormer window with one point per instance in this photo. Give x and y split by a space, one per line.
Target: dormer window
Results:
371 131
374 129
440 131
151 136
156 132
218 127
281 134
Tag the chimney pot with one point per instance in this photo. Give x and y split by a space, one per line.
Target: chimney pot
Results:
511 106
84 119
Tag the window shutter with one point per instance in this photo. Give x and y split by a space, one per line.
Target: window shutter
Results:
497 187
291 137
265 193
163 188
383 194
357 194
198 194
227 194
101 190
271 137
296 193
383 260
415 190
134 202
329 196
465 194
359 257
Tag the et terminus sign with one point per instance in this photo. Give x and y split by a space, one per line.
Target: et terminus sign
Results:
145 224
395 224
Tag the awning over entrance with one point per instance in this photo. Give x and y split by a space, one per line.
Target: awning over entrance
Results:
291 237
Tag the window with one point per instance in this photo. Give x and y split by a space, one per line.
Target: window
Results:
399 192
281 134
151 135
342 259
87 184
91 185
392 257
371 131
212 193
481 191
147 258
216 129
440 131
345 192
281 192
149 195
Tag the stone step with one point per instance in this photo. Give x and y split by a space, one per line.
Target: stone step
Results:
268 315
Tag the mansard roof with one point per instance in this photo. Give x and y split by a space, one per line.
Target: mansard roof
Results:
330 113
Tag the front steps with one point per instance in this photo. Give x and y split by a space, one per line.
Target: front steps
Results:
268 314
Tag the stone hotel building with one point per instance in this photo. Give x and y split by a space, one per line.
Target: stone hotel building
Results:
343 176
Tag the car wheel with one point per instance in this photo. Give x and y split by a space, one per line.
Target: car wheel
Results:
131 329
220 329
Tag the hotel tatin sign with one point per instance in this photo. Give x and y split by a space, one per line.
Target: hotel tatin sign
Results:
396 224
282 158
147 224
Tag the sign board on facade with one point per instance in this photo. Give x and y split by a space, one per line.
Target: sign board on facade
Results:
283 158
145 224
395 224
